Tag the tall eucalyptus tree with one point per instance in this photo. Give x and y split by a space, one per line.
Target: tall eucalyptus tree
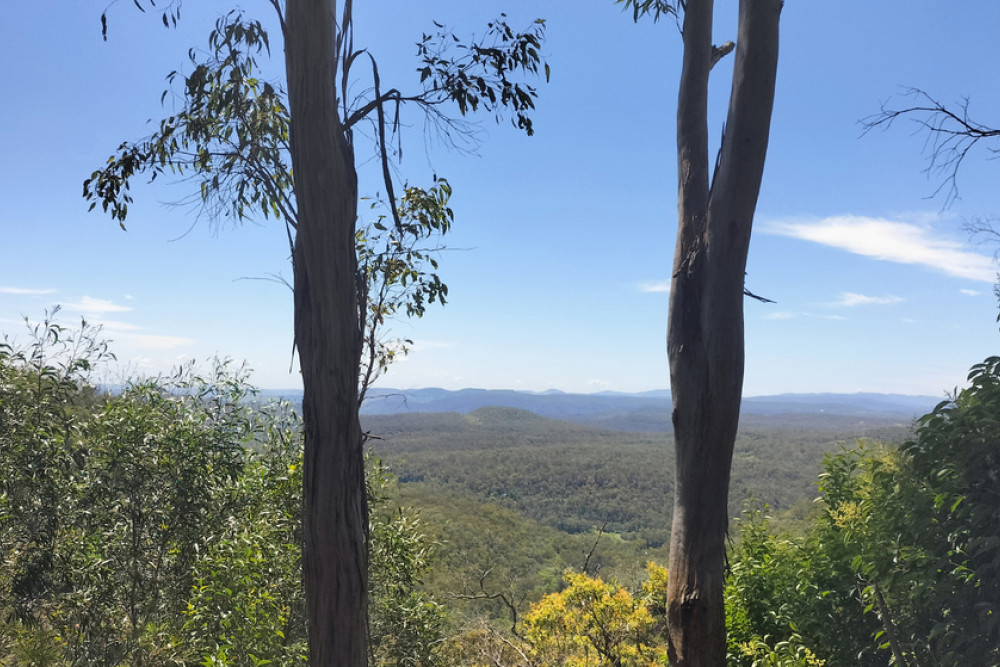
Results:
705 343
250 152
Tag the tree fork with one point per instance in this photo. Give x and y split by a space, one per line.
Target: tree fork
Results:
705 330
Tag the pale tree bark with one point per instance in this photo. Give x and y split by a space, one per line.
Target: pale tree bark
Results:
705 331
328 337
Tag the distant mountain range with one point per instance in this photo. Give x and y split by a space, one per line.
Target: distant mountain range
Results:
648 411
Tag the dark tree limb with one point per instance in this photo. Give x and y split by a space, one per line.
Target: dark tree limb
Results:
950 134
485 594
593 548
383 149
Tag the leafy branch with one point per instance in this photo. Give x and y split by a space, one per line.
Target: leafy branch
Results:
392 273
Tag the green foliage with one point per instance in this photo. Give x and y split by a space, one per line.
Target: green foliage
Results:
407 624
394 261
161 526
488 556
577 478
957 457
230 135
25 643
923 526
480 74
43 401
654 8
246 605
789 601
900 564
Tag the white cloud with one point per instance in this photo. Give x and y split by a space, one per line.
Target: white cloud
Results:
970 292
660 287
25 290
851 299
778 315
124 332
901 242
91 305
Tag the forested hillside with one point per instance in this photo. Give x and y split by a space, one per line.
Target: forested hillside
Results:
577 479
162 526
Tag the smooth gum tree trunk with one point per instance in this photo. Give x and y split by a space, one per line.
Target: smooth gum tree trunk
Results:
705 330
328 338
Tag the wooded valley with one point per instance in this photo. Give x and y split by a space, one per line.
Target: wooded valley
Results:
161 526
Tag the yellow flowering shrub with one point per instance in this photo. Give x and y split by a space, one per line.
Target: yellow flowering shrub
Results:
593 622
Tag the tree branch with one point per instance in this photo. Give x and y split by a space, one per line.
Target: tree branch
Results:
720 52
383 150
600 533
951 134
483 594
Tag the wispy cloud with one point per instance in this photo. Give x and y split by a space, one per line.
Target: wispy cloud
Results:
891 241
126 332
91 305
660 287
970 292
25 290
778 315
851 299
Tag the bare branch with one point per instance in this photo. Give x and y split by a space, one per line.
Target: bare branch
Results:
600 533
951 133
720 52
484 594
984 230
383 151
279 10
391 95
271 278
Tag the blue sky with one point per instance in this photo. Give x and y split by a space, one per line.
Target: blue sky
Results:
563 241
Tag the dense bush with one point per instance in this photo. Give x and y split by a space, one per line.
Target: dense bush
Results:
901 565
160 525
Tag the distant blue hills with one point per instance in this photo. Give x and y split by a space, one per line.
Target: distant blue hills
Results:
645 411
